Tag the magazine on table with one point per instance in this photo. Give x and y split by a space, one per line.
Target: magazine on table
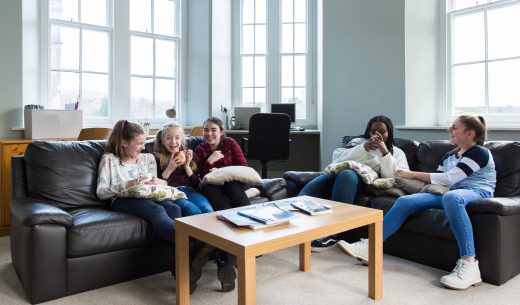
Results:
238 219
311 207
267 213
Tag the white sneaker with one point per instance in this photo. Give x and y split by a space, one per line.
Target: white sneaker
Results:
464 274
358 250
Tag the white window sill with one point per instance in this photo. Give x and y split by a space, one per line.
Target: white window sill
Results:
492 128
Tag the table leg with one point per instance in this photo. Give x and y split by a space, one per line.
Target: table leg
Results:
182 262
305 256
246 280
375 258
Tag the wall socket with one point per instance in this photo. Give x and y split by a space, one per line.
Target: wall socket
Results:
223 109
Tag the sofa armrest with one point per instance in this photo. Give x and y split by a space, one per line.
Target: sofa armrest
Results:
31 211
273 189
503 206
297 180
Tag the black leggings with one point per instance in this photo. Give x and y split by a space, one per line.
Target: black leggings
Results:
230 195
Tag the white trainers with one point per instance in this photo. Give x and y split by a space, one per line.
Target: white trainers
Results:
358 250
464 274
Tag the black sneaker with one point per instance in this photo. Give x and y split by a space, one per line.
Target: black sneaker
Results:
226 264
324 243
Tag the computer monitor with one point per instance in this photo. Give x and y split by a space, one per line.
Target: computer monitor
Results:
288 108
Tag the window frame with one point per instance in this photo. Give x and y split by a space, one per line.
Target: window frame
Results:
447 115
273 58
119 71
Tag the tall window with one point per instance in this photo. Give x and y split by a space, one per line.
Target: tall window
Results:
484 59
118 59
275 57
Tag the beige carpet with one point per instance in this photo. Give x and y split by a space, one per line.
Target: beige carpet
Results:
335 279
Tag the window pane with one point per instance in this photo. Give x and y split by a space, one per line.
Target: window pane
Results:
260 70
460 4
165 58
287 95
504 92
64 88
468 89
141 16
142 97
164 97
64 10
142 55
260 97
164 17
95 51
260 40
64 47
287 71
300 98
300 70
300 10
300 38
287 11
248 11
504 32
94 12
468 38
260 11
248 42
247 71
94 96
287 38
247 96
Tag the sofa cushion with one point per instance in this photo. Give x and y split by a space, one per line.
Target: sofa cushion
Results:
64 173
507 165
430 153
98 230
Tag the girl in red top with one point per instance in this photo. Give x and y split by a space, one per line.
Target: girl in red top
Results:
220 151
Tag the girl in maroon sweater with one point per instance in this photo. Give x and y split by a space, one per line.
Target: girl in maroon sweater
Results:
220 151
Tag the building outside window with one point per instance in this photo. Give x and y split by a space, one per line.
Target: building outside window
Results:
483 70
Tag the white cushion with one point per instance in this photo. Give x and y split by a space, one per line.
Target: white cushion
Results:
239 173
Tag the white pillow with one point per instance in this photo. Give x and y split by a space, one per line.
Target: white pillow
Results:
239 173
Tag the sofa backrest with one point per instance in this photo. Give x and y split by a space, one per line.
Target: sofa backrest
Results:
425 157
64 173
191 143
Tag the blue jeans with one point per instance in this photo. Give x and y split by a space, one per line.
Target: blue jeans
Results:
195 204
160 214
342 187
454 204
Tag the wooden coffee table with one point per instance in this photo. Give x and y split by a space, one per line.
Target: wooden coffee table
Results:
247 244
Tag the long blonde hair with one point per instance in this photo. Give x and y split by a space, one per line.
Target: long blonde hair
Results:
164 154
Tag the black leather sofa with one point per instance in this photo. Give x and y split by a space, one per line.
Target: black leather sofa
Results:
64 240
426 237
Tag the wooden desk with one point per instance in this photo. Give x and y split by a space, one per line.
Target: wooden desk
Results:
8 148
246 244
304 153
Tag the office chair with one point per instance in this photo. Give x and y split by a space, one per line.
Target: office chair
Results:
268 138
94 133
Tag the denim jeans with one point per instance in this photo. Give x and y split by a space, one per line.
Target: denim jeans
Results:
454 204
342 187
154 212
195 204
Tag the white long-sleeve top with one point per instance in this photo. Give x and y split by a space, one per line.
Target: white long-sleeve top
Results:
384 165
113 176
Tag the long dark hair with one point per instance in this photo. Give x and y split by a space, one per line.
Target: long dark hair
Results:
122 131
389 143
